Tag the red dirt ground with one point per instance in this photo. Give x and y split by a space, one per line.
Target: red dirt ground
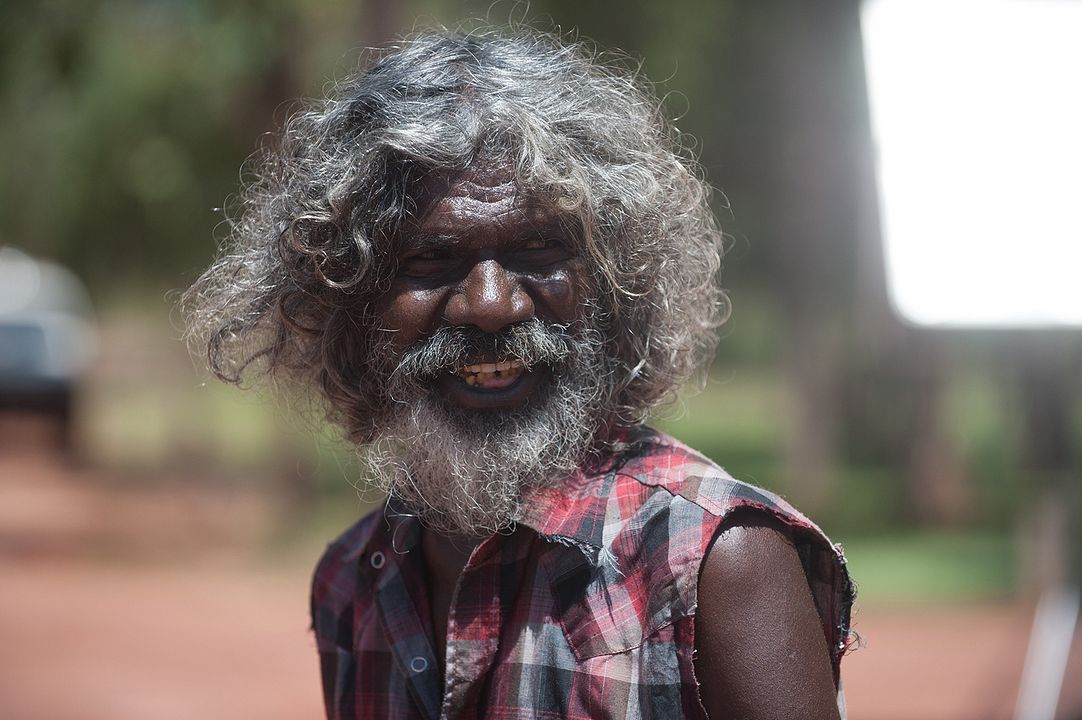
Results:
101 619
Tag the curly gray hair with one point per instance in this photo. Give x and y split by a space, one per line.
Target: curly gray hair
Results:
312 245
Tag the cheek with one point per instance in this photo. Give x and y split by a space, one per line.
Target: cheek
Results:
561 293
409 314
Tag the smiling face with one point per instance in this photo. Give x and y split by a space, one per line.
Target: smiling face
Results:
483 259
487 354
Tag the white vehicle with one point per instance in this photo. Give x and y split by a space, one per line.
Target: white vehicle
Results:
47 337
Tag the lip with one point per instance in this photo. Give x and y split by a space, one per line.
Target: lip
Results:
472 397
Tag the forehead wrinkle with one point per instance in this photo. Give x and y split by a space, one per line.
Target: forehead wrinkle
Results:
469 210
463 211
466 186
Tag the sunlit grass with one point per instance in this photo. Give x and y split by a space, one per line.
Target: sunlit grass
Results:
932 567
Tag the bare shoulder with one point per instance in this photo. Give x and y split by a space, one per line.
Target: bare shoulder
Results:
761 652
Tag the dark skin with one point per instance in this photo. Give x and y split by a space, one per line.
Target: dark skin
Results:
480 256
444 560
761 651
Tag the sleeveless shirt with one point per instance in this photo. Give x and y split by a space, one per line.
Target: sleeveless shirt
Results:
585 610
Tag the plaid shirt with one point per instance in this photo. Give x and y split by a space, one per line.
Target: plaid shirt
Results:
586 610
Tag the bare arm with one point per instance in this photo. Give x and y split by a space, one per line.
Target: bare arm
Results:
760 646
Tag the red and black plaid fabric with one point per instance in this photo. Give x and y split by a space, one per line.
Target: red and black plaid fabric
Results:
586 610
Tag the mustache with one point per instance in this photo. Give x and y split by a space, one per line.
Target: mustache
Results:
532 342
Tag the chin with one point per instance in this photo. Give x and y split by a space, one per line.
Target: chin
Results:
464 469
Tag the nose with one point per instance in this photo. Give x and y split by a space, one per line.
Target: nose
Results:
489 298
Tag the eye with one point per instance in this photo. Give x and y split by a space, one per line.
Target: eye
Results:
430 263
539 244
538 253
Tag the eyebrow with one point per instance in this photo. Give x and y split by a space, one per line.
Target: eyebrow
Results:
550 225
427 241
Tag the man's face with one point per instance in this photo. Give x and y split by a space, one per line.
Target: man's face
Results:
482 258
486 352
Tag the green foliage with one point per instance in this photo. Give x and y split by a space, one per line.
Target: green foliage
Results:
978 422
128 121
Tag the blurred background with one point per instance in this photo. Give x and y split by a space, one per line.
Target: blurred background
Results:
157 530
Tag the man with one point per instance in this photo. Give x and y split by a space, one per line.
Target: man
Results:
493 258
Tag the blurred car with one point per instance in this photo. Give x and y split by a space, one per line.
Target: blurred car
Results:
47 337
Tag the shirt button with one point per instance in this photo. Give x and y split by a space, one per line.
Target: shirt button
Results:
419 664
377 560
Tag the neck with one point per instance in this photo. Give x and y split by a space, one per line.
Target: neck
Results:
445 555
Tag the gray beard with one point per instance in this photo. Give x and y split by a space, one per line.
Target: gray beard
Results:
465 472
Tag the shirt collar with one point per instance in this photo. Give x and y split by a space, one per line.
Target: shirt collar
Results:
394 530
573 511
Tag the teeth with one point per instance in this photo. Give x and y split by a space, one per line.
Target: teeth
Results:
480 372
492 367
